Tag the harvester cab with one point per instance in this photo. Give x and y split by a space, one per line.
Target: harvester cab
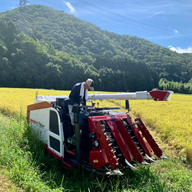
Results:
103 140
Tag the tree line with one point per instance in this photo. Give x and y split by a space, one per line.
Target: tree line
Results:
177 87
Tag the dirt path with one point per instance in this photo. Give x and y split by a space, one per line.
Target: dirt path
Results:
6 185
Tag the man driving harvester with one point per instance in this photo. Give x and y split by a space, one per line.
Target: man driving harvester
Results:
79 95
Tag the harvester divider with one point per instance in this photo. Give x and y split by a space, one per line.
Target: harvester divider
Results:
114 172
131 166
145 163
163 157
150 158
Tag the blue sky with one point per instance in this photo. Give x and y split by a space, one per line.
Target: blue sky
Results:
167 23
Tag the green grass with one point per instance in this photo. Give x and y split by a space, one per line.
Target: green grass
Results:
33 170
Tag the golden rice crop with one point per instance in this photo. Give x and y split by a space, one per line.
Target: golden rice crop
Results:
172 119
13 100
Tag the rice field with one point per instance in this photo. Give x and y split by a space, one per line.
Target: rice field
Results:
15 100
173 120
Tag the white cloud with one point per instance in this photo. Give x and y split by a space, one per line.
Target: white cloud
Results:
70 6
156 13
175 31
180 50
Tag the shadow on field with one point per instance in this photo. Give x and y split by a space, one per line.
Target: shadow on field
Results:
55 175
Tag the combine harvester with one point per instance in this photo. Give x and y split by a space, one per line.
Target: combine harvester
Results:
103 141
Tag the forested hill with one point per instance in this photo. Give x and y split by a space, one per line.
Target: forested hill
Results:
75 36
100 49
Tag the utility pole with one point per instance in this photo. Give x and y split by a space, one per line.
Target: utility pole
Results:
22 3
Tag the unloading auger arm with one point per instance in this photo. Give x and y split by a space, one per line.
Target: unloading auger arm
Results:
156 95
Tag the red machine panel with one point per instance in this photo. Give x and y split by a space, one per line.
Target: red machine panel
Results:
128 138
98 158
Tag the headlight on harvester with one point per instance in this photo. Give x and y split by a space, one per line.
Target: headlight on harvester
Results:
92 135
95 143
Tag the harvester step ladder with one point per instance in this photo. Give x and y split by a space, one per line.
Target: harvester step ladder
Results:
68 165
71 141
70 152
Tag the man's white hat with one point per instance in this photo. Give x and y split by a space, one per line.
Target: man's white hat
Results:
90 84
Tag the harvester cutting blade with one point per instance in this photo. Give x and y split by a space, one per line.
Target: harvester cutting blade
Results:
145 163
150 158
131 166
114 172
163 157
